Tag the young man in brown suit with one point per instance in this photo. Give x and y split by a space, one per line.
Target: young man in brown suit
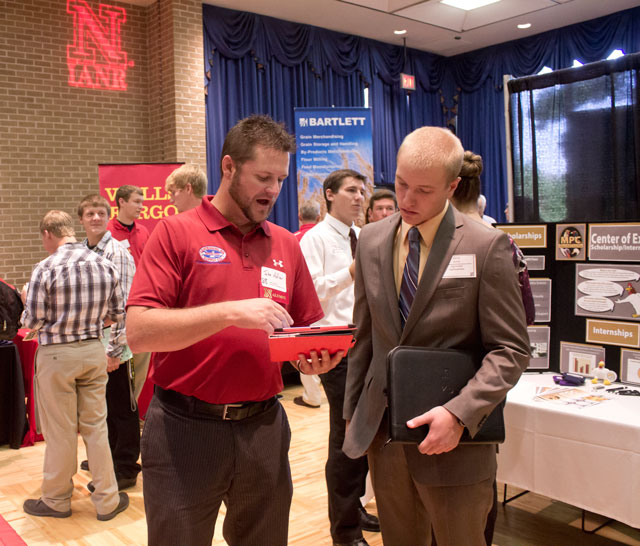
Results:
464 295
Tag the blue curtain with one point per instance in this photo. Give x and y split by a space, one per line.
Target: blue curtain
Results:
256 64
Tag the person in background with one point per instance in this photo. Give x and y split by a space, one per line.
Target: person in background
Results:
329 250
133 236
123 227
481 206
122 411
213 283
309 216
429 276
464 199
186 187
70 296
383 203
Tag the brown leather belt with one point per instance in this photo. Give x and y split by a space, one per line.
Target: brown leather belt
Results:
226 412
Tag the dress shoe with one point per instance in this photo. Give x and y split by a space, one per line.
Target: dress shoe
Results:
356 542
122 506
37 507
298 400
84 465
369 522
123 483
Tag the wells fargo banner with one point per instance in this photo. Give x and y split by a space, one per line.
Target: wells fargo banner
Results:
150 178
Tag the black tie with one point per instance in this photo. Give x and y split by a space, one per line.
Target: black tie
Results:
354 242
410 275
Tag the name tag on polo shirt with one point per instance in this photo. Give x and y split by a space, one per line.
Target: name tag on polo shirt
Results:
461 266
273 285
125 243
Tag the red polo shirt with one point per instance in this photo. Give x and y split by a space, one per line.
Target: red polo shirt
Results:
303 229
137 237
199 257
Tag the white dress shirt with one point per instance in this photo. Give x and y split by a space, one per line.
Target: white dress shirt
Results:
327 250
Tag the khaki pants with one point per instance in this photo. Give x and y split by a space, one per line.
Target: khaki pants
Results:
70 385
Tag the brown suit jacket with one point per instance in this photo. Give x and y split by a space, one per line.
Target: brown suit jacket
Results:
482 314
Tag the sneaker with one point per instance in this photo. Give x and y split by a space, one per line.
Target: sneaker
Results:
300 402
123 483
37 507
122 506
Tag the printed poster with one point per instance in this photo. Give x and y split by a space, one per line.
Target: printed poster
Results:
608 291
329 139
539 347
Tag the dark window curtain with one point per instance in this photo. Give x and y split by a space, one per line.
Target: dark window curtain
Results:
576 143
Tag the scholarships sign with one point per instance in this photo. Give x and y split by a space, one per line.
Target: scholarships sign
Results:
533 236
329 139
150 178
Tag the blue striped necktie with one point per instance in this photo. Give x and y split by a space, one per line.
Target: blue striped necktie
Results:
410 275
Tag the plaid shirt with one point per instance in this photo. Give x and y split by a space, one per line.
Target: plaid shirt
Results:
112 250
70 294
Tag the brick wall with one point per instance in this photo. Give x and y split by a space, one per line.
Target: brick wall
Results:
53 136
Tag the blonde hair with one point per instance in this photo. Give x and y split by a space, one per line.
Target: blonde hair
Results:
58 223
188 174
429 147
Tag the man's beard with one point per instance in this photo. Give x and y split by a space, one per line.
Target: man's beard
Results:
244 204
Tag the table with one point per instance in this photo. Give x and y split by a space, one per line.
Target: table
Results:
587 457
12 406
27 350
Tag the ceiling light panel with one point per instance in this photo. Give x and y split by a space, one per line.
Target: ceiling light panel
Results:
459 20
468 5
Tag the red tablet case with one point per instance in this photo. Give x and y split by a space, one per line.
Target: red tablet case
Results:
288 343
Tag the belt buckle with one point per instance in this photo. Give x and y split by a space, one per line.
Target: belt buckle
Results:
225 410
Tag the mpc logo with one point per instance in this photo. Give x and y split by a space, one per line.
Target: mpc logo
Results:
95 58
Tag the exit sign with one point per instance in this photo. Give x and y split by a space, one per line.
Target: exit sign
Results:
407 81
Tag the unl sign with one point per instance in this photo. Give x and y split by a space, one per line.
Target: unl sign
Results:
95 58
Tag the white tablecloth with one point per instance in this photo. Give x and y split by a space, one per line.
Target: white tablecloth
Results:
587 457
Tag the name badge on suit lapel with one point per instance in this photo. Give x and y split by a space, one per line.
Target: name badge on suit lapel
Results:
461 266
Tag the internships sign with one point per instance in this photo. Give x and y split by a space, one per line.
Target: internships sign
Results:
329 139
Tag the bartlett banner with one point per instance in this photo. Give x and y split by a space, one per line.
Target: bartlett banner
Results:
329 139
150 178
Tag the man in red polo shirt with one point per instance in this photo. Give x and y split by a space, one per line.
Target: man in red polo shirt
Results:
133 236
124 227
214 282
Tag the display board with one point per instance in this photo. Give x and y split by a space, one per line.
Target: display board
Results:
330 139
585 280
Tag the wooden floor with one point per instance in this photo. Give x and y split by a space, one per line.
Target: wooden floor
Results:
531 520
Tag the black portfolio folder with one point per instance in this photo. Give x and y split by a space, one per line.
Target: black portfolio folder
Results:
420 378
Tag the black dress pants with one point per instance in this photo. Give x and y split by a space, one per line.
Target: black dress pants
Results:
123 424
345 476
192 462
